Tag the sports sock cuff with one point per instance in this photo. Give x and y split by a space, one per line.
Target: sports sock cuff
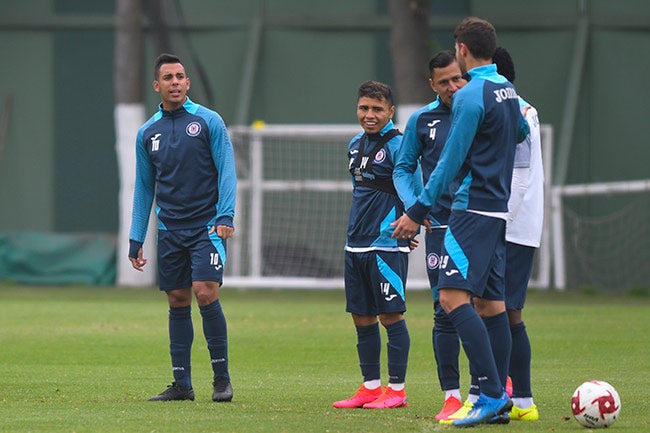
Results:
180 312
363 331
496 320
460 314
213 306
518 327
397 326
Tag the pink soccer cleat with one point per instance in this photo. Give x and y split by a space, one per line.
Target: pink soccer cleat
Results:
388 400
361 397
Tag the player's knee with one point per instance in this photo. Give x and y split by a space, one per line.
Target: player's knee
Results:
179 297
388 319
489 308
514 317
206 292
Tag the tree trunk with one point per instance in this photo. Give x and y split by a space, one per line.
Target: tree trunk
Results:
409 47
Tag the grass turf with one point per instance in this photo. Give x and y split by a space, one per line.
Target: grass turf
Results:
77 359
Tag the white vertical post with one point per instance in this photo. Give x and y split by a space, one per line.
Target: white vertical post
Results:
128 118
235 243
559 274
256 203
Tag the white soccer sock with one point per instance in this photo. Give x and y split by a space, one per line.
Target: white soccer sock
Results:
372 384
453 393
523 403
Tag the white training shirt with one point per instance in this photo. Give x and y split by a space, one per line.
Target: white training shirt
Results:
526 203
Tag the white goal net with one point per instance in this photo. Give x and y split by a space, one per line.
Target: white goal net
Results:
293 204
601 235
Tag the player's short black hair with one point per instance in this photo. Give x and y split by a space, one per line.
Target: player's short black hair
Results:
163 59
441 60
376 90
478 35
505 65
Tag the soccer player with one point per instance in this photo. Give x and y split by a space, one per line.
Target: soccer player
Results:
185 157
523 236
479 153
424 138
375 263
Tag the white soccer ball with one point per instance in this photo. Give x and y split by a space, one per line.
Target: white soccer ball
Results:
595 404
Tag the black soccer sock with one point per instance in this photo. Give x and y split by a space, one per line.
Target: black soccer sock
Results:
369 349
181 336
215 330
399 343
520 361
498 329
446 350
476 343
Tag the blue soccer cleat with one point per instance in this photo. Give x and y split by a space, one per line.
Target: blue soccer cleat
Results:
504 418
484 410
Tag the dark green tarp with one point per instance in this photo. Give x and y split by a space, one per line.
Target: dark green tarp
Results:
57 258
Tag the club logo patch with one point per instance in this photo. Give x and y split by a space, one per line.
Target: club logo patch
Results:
380 156
193 129
433 261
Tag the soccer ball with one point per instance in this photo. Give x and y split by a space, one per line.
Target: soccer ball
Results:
595 404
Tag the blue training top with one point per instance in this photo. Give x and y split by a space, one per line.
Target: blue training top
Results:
373 209
187 158
486 126
424 138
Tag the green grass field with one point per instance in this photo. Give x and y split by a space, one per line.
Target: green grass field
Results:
86 360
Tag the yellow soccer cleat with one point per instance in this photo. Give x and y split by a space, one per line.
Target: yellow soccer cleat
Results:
528 414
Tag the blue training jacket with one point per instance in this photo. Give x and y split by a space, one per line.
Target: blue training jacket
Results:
187 158
479 152
373 210
424 138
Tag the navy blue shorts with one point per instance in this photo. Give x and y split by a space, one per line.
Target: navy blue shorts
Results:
375 282
519 266
433 244
473 255
189 255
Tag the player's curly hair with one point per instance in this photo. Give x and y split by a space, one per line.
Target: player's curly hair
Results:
505 65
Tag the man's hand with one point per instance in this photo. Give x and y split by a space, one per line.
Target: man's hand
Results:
414 244
138 262
224 232
405 227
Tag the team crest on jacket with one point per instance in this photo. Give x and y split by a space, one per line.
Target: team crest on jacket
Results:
380 156
193 129
433 261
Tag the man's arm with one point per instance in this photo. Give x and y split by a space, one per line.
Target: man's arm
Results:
467 115
224 161
407 175
143 195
